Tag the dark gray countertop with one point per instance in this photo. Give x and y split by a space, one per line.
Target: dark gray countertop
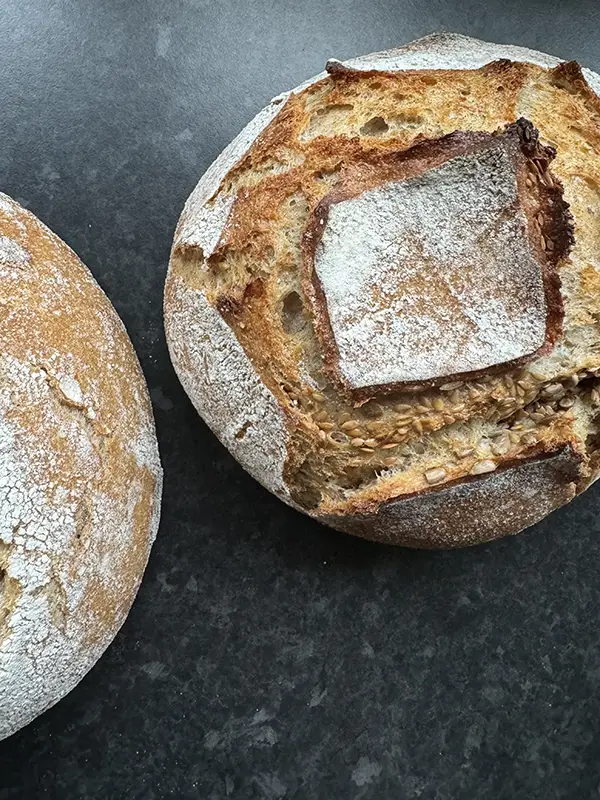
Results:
267 657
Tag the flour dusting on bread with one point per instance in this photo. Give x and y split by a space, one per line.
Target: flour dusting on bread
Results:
242 413
432 276
79 508
455 363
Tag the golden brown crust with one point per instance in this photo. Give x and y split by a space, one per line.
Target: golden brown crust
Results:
475 510
80 477
540 196
569 76
342 458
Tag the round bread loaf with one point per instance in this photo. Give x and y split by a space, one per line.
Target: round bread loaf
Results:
80 476
384 295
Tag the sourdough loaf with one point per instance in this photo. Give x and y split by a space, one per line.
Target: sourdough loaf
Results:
384 295
80 477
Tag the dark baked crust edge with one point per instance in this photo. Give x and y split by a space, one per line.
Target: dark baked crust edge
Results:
476 510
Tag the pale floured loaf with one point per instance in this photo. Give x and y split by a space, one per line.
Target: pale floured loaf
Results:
384 295
80 476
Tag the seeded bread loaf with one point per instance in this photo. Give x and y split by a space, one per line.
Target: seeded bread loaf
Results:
80 477
384 295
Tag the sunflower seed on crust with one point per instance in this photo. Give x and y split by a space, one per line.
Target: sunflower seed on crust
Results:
467 451
501 445
481 467
529 438
433 476
350 424
375 427
326 426
553 389
448 387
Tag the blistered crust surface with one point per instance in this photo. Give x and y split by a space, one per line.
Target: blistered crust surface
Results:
80 477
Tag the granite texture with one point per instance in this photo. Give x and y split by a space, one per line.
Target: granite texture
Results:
267 657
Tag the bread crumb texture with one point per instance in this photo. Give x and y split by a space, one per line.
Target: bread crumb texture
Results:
424 370
80 477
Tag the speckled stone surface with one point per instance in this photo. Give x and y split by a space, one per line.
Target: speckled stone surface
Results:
267 657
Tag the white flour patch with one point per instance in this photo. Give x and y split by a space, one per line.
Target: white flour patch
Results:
71 390
41 658
60 536
593 79
205 224
12 254
7 205
36 533
225 387
448 51
432 276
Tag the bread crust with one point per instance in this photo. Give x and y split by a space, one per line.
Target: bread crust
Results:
239 214
224 386
542 200
472 511
80 476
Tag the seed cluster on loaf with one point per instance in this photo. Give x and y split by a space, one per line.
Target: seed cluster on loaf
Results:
349 456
